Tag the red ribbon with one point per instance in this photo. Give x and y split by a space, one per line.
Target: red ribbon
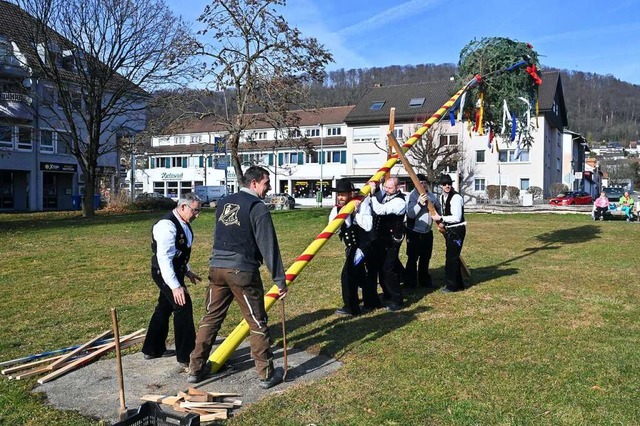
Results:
533 72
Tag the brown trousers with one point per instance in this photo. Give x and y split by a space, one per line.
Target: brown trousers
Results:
246 288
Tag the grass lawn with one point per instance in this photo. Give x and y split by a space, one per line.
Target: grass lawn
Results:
549 333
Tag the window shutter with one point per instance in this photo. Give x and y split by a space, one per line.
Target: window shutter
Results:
301 158
210 161
343 157
280 158
271 159
152 163
184 162
167 162
322 157
201 162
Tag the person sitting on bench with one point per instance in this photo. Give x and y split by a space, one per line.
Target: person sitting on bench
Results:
600 206
626 204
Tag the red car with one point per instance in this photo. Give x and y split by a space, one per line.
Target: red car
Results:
571 198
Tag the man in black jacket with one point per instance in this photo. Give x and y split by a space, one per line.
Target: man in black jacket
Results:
244 239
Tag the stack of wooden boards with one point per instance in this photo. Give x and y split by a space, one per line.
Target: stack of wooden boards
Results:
73 357
209 405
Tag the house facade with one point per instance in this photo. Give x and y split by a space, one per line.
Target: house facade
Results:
351 142
37 170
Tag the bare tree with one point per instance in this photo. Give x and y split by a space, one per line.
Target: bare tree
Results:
100 57
259 63
434 156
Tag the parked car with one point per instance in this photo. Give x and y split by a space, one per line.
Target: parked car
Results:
285 200
151 196
570 198
613 194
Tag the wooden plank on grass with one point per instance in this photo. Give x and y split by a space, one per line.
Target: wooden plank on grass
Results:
29 365
64 358
187 404
84 360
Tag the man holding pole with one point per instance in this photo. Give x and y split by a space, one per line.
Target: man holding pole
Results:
453 223
244 238
419 236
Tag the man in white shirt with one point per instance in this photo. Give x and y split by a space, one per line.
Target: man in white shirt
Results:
354 233
453 222
171 242
390 207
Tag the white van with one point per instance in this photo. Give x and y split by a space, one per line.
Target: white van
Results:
211 194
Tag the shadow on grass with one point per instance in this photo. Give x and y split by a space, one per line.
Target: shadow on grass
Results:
552 240
335 337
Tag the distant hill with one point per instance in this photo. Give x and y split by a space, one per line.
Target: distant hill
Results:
599 107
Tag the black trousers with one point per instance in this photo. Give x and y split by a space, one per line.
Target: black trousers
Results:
391 268
353 277
183 328
599 212
452 266
419 250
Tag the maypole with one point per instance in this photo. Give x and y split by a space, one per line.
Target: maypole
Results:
231 343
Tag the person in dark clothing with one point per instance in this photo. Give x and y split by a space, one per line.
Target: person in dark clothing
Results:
244 238
354 232
419 236
171 242
452 221
390 233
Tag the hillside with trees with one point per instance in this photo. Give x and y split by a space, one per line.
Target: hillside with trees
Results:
600 107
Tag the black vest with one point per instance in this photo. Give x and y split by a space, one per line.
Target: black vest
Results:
389 225
183 251
234 232
446 207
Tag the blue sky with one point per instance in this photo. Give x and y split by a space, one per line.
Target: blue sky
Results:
583 35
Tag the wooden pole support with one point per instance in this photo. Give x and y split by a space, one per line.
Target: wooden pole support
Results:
122 412
421 190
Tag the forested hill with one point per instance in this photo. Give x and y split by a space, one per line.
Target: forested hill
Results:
600 107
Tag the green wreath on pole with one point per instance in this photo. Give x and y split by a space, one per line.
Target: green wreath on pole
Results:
491 58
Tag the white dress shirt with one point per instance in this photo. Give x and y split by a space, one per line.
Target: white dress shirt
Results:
164 232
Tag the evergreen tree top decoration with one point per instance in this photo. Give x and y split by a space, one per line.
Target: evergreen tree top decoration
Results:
491 58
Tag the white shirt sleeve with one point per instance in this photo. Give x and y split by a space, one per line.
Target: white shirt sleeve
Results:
164 232
394 206
364 218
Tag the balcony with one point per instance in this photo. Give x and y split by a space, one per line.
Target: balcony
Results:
15 97
15 106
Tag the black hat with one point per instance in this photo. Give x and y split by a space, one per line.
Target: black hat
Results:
343 185
422 178
445 179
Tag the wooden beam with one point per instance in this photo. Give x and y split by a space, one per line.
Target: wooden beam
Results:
84 360
76 351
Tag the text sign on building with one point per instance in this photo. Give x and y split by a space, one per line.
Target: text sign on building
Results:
58 167
171 176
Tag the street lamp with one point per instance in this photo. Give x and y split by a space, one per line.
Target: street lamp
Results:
321 160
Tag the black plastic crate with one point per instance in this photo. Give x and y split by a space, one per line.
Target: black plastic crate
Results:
150 414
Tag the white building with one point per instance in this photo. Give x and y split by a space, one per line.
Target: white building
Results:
352 141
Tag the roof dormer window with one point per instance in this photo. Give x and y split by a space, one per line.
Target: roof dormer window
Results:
377 105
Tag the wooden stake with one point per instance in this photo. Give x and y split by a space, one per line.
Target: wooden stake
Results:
421 190
392 127
122 411
284 343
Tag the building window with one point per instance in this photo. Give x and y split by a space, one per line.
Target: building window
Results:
64 143
416 102
163 141
375 106
49 96
479 184
448 140
178 162
336 157
6 136
24 138
181 140
480 156
312 157
509 156
312 133
398 133
524 184
334 131
76 99
366 134
196 139
46 141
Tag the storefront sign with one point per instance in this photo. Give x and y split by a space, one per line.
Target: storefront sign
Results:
59 167
172 176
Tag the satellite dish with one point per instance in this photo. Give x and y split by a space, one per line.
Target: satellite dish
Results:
27 82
